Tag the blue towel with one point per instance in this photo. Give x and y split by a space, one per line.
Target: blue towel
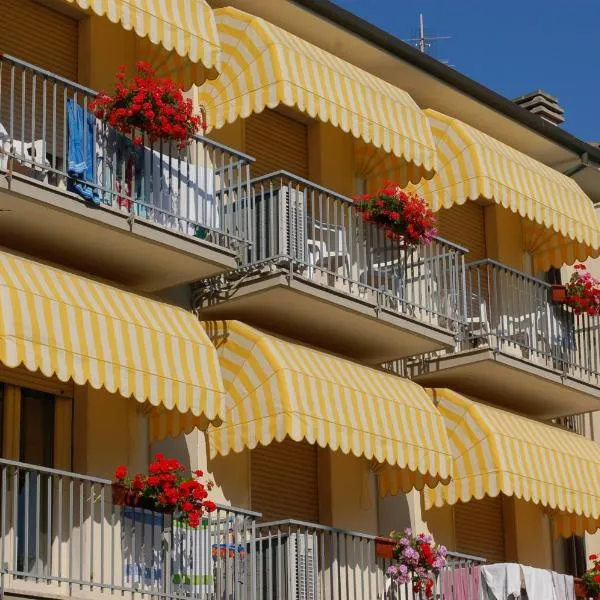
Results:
82 151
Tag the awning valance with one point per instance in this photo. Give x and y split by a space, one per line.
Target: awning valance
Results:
560 225
185 31
264 67
497 452
281 389
76 328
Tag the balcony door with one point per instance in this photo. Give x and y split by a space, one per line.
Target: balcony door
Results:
36 447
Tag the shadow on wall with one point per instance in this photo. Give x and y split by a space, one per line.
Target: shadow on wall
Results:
174 448
394 514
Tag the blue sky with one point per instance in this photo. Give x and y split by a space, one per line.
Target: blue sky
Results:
510 46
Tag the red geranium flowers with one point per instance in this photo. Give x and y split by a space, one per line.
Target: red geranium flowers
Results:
591 577
169 486
583 292
403 216
151 105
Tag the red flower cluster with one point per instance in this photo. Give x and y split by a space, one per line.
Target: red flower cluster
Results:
148 104
591 577
168 485
583 292
403 216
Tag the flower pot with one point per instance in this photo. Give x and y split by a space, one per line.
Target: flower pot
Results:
581 591
558 293
384 548
120 495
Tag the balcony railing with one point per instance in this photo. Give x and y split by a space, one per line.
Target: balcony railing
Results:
61 534
319 237
47 132
303 560
513 313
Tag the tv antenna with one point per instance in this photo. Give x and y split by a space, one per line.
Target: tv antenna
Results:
423 42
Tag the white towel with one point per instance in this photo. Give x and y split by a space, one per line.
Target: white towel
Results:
178 188
539 584
564 586
503 580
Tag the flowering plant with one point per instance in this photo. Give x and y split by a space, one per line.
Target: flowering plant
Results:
583 292
168 486
402 215
149 104
418 561
592 577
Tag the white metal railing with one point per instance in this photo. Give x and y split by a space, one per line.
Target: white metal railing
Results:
61 534
47 132
297 560
513 312
319 236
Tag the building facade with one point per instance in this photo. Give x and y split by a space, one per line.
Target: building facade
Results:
226 305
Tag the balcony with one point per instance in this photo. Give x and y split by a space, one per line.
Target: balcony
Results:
316 272
520 350
150 217
62 536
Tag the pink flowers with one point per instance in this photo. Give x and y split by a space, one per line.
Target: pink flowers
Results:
418 561
149 104
583 292
403 216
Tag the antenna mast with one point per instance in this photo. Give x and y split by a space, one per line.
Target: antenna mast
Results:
423 43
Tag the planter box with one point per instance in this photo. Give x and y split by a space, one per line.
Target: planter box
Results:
558 293
581 591
121 496
384 548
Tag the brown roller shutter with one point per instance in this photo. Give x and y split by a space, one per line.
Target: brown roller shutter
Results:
464 225
479 529
284 481
39 35
278 143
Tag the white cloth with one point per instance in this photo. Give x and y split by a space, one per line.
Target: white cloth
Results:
191 558
539 584
503 580
177 188
564 587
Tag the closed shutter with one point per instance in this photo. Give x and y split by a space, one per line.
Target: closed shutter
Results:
278 143
464 225
40 36
284 481
479 528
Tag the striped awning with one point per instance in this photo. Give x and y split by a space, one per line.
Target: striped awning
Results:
184 30
75 328
497 452
559 222
280 389
264 66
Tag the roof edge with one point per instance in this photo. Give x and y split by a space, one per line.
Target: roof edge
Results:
386 41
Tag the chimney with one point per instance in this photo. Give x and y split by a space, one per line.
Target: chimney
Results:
544 105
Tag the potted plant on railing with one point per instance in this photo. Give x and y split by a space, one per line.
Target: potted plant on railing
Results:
151 105
403 216
591 580
167 487
581 293
417 561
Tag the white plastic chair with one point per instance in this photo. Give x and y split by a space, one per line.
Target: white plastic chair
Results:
30 154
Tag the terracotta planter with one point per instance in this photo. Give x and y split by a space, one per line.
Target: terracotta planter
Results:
121 496
558 293
581 591
384 548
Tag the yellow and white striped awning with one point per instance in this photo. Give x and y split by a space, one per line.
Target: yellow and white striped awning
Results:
264 66
184 29
75 328
560 225
497 452
281 389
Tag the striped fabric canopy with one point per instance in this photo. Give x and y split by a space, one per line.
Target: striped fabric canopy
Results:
560 225
75 328
185 30
281 389
497 452
265 66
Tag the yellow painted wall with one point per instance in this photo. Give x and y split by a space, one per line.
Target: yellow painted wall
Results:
504 237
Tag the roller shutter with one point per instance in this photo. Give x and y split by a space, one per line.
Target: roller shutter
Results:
464 225
278 143
479 529
40 36
284 481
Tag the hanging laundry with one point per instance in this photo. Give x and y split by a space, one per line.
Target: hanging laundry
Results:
81 152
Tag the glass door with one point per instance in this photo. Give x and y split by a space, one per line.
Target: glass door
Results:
36 448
